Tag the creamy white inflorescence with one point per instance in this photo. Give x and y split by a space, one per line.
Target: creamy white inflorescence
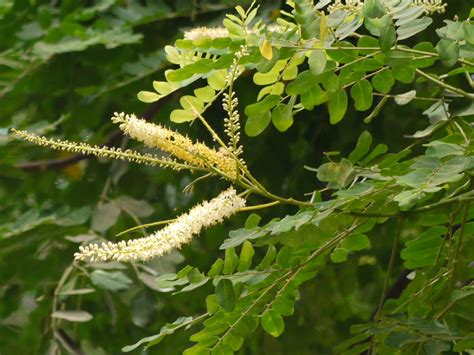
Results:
181 147
173 236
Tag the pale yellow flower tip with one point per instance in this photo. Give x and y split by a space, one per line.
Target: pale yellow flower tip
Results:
181 147
173 236
206 32
430 6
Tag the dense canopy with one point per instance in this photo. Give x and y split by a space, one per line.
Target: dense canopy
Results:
219 177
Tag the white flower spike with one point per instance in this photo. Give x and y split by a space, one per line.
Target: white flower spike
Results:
173 236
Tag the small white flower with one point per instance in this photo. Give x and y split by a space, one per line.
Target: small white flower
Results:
206 32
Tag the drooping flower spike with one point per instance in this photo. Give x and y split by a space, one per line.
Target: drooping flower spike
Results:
173 236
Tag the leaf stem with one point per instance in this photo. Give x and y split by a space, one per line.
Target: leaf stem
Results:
445 86
391 264
145 226
258 207
458 246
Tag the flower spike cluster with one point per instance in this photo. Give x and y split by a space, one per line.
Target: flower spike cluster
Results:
222 32
181 147
173 236
429 6
348 5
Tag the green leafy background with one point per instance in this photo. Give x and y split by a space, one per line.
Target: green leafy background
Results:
66 67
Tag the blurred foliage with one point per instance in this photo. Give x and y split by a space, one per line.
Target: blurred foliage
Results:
66 67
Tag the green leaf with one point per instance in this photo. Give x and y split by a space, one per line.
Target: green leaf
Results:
257 124
217 79
189 102
424 61
397 58
387 37
361 92
448 52
362 148
221 349
231 261
75 217
376 152
337 106
212 306
313 97
344 55
105 216
272 323
247 326
225 294
233 340
337 174
282 117
339 255
330 82
268 258
180 116
238 236
252 221
195 276
468 28
246 255
216 268
139 208
356 242
271 76
457 295
303 82
168 329
422 251
202 66
317 61
411 28
373 8
383 81
368 42
465 344
111 280
284 257
275 89
205 94
405 74
264 106
436 347
163 87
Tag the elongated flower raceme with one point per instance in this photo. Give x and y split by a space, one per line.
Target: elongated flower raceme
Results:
103 152
221 32
181 147
429 6
173 236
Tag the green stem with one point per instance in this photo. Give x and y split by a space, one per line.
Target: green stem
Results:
469 196
153 224
458 246
391 264
259 207
444 85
